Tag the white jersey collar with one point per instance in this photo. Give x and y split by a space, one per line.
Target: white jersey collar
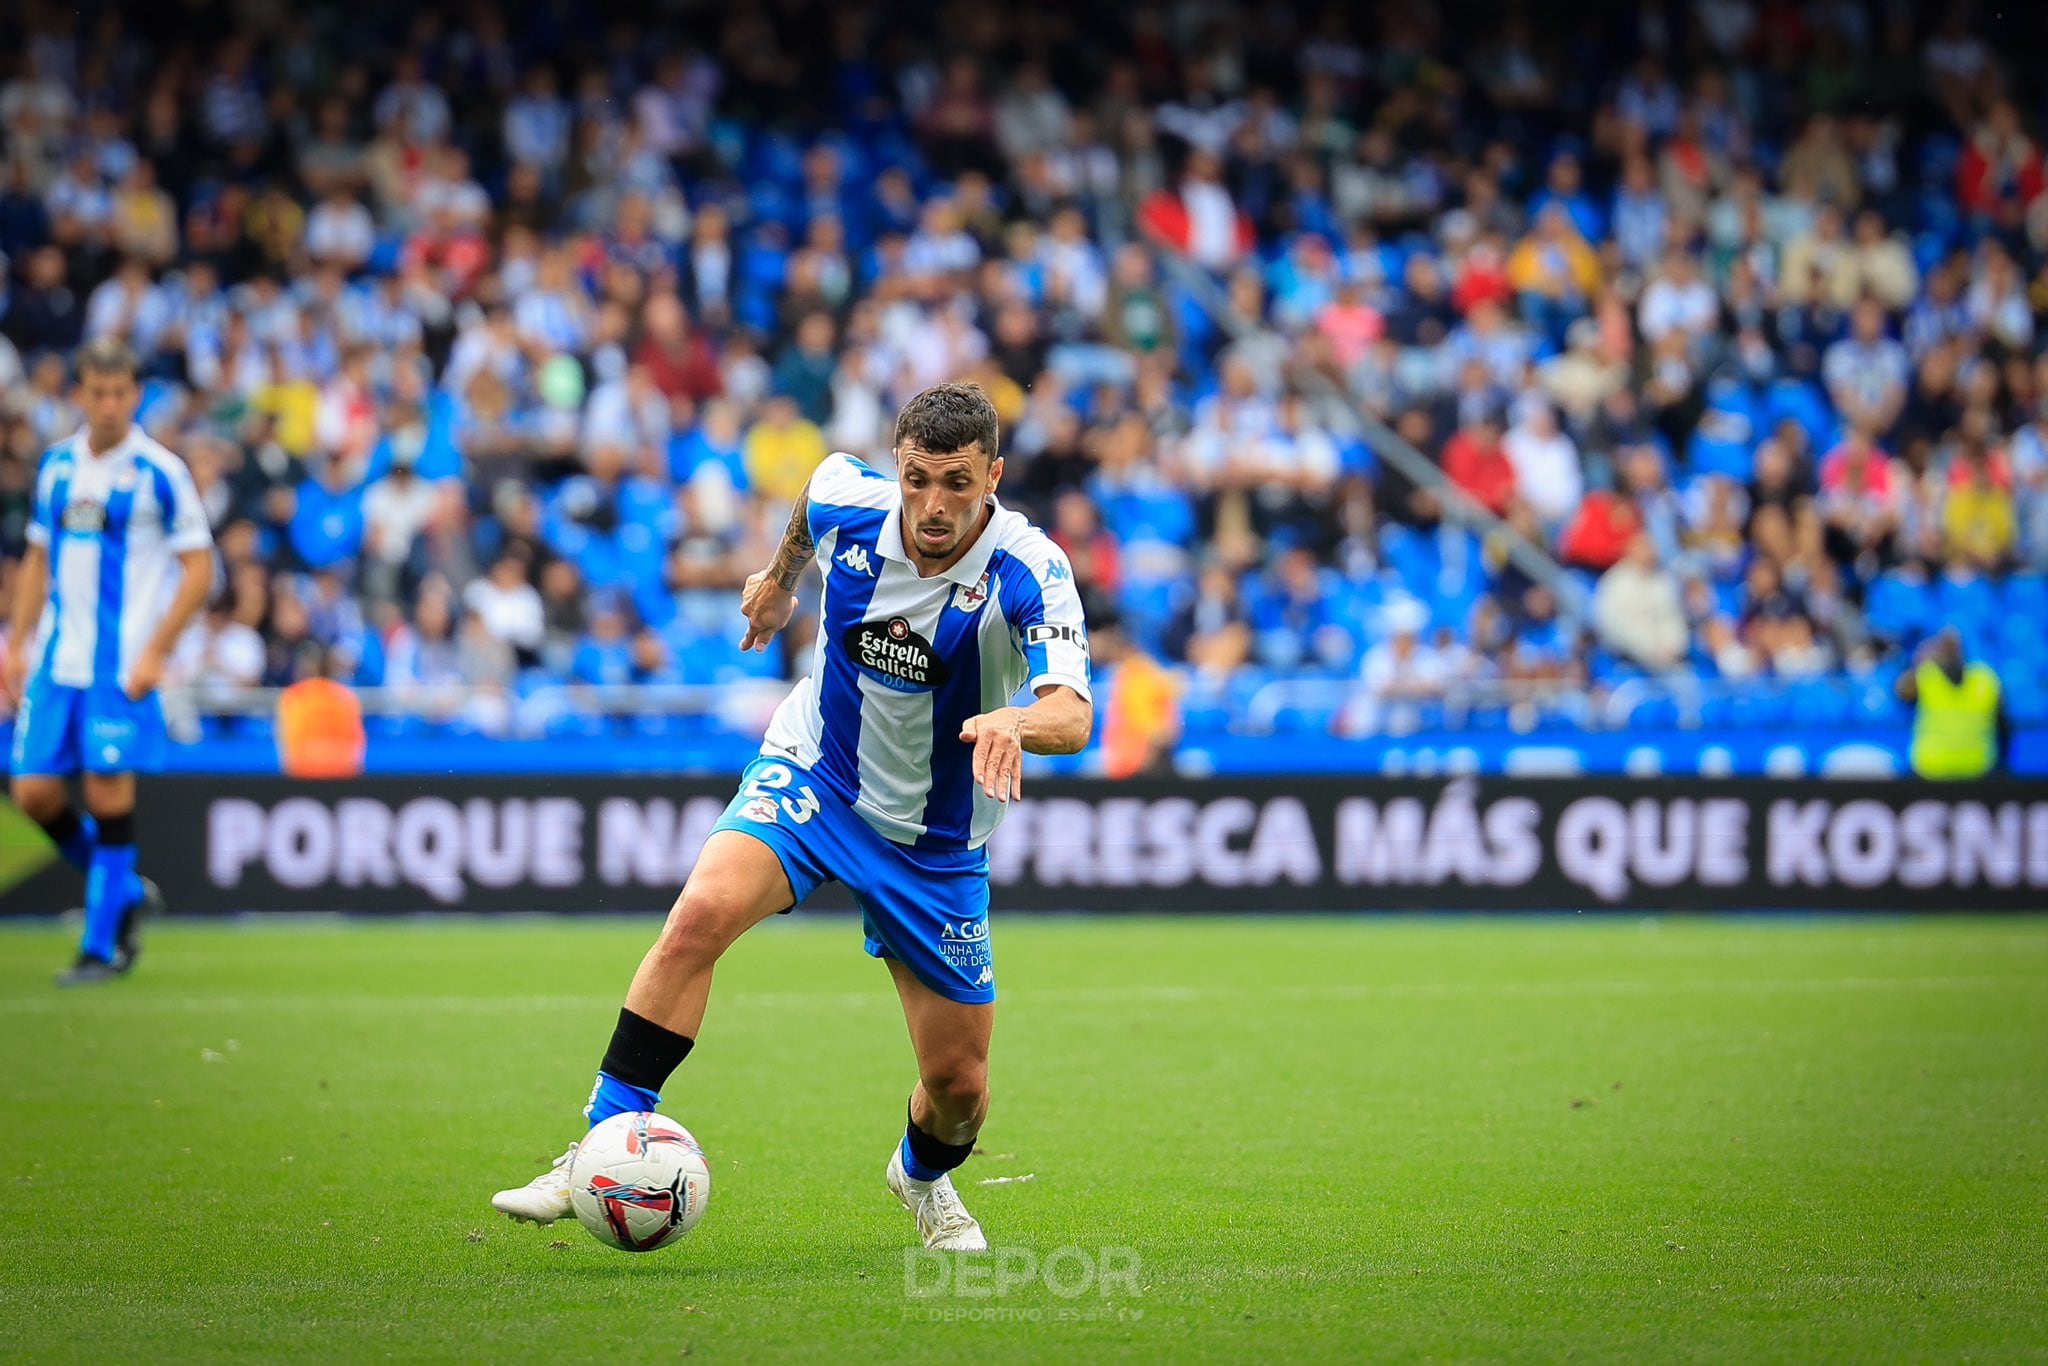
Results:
970 567
81 443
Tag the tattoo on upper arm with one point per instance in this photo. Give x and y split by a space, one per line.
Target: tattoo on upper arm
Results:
796 549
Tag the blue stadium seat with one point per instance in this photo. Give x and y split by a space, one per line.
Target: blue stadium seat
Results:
2027 595
1899 609
1818 702
1970 603
1724 443
1804 402
2026 699
1413 556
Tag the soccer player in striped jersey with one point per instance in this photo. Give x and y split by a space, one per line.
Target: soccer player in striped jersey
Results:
887 768
119 558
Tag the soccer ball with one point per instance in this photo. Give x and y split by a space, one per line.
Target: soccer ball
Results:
639 1182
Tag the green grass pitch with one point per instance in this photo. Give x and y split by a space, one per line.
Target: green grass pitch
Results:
1317 1139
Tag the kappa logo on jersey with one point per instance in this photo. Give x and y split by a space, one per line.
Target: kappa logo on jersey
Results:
972 596
1058 570
894 655
86 518
855 558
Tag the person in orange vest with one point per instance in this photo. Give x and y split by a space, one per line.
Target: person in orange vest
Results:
1141 720
320 725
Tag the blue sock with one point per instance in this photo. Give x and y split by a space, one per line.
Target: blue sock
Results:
109 889
610 1096
916 1170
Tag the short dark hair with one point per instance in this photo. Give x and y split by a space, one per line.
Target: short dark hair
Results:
106 355
947 418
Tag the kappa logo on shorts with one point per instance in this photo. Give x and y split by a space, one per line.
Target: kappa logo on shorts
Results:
987 975
894 655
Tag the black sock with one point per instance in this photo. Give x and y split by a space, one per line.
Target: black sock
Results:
642 1053
63 826
927 1159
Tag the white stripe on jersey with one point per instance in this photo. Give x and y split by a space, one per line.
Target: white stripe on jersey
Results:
91 511
896 778
992 637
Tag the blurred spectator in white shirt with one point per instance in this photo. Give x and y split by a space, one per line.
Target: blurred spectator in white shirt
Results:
1546 461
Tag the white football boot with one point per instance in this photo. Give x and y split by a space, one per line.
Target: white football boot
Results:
541 1200
942 1221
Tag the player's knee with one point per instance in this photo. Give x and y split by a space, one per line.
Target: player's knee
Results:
705 920
958 1088
40 802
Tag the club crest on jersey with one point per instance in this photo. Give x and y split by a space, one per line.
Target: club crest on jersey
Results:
972 596
760 810
84 517
894 655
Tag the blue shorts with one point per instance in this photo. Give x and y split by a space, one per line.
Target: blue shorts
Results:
926 908
60 731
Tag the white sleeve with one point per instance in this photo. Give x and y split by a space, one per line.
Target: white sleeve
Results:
1045 610
841 482
185 524
42 522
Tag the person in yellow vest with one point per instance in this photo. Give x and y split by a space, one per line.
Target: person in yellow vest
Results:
1958 715
320 725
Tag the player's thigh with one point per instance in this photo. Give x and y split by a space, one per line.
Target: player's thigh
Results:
738 882
951 1038
108 794
40 795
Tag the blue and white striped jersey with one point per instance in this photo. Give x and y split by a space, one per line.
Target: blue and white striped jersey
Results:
902 661
114 525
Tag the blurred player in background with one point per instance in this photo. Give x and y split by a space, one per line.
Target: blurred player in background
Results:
119 558
886 769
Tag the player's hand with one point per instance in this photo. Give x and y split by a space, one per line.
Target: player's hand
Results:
767 606
14 677
147 673
998 740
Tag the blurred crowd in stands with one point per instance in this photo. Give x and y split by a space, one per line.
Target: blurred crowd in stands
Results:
499 339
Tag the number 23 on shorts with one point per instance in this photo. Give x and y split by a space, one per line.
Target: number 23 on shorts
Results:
772 781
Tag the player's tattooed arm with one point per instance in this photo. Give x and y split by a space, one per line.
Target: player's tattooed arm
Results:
769 599
796 549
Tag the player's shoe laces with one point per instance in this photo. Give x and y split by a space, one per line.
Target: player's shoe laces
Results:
942 1221
541 1200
